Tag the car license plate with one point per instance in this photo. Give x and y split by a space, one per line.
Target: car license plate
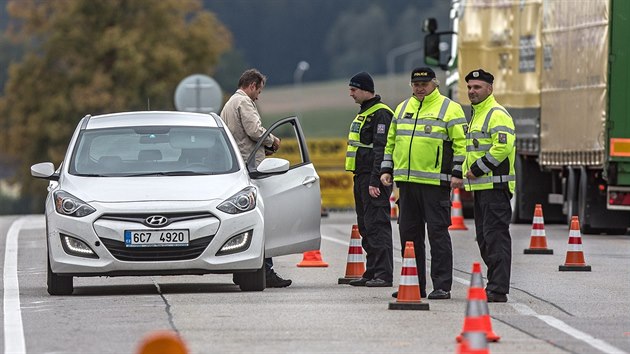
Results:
156 238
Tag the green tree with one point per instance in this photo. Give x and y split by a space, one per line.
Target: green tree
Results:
94 57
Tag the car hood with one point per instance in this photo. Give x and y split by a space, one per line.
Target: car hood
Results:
163 188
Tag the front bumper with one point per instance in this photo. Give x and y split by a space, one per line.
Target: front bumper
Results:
103 232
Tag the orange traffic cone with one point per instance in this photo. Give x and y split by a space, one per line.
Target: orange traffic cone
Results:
575 255
312 259
393 208
473 343
162 342
409 287
538 241
457 213
477 313
355 267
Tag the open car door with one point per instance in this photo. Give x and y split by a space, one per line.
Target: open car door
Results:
292 199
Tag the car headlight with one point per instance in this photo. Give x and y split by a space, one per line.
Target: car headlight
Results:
67 204
240 202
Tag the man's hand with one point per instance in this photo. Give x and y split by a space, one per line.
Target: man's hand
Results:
276 144
374 192
386 179
470 175
457 182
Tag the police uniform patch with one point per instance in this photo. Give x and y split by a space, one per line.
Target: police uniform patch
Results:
361 118
427 129
502 138
355 127
380 129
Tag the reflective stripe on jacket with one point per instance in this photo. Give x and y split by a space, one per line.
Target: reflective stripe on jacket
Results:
425 142
490 147
354 136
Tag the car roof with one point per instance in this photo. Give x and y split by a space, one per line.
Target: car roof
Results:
151 118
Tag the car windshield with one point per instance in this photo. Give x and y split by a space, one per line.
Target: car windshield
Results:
152 151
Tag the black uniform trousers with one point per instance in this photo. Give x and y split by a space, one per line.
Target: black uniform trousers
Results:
375 228
420 205
493 213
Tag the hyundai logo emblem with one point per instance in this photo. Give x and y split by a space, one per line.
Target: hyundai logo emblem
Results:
156 220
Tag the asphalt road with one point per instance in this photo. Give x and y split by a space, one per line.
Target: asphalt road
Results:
548 311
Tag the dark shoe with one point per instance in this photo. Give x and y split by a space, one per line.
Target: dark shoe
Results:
395 294
496 297
274 281
359 282
378 283
439 294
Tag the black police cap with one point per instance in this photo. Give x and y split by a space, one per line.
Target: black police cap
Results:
422 74
480 74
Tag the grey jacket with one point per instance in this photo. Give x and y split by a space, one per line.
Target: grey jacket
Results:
241 117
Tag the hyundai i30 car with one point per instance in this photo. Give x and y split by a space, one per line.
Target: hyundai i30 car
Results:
168 193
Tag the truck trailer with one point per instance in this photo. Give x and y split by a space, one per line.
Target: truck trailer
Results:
562 70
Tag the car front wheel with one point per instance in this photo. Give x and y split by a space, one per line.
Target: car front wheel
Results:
252 281
59 284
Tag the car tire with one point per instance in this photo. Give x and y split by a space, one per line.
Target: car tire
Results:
59 284
252 281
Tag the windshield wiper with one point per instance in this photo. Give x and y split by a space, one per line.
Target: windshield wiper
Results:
168 173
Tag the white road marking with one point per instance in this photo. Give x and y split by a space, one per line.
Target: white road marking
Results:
13 328
575 333
527 311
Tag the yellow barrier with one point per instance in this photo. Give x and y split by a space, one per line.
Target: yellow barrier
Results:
336 187
328 157
324 153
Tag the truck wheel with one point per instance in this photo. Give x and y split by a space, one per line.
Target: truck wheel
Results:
517 201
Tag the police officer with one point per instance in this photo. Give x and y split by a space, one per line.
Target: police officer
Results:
489 173
424 153
366 143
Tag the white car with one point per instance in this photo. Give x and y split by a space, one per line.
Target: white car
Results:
168 193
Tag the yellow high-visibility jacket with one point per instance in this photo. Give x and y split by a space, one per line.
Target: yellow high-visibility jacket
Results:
425 142
490 148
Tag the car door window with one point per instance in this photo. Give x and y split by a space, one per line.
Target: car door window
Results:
292 145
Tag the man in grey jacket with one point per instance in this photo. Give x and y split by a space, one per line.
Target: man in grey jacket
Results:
240 114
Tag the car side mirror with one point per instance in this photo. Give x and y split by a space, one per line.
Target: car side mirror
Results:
271 166
45 170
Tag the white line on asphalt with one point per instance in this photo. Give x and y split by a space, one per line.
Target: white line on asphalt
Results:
13 329
527 311
577 334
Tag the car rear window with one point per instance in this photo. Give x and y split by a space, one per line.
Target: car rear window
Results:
132 151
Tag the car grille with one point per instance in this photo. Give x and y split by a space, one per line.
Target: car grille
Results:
141 218
152 254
